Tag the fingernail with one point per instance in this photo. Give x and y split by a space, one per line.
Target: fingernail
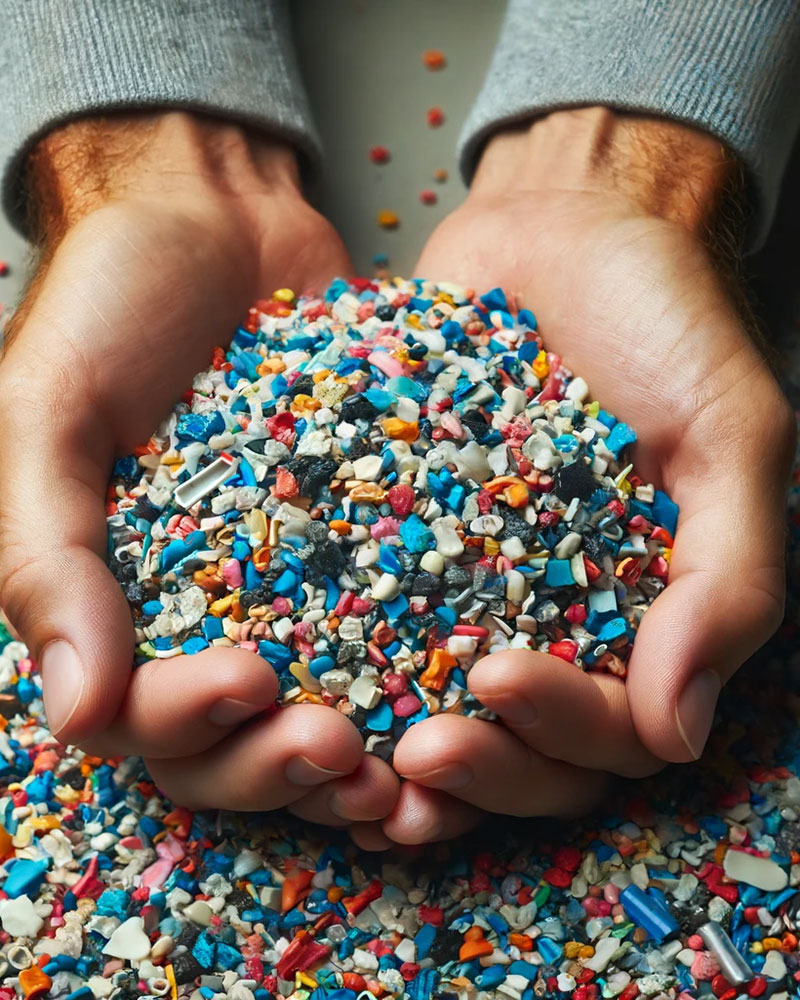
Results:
229 711
302 771
518 711
62 683
449 777
695 710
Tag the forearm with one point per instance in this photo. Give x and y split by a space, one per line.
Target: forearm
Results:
729 68
656 166
63 62
173 156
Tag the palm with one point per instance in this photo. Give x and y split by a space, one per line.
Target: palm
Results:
634 305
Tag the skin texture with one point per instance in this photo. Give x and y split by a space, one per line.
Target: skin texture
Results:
601 223
156 232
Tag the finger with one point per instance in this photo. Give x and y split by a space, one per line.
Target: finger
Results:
270 763
562 712
723 601
370 837
369 793
424 815
184 705
484 764
56 588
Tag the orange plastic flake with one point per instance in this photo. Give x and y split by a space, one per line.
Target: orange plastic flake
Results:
388 219
511 489
295 888
6 844
434 59
34 982
435 675
340 527
400 430
475 945
524 942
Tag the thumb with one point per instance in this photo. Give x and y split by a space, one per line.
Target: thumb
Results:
723 601
54 584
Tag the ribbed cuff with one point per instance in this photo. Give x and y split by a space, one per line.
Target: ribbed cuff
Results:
729 67
64 59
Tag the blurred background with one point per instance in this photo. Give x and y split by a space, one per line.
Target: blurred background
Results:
369 86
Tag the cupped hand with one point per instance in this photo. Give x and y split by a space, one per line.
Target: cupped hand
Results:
158 231
597 223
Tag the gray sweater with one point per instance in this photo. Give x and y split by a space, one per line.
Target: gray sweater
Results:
730 67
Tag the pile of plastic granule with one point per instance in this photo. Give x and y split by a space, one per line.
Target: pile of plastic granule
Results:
374 488
686 886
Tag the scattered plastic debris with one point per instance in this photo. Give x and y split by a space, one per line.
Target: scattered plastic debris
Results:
435 117
428 197
440 175
434 59
387 219
379 154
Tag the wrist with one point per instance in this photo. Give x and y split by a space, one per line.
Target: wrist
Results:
186 162
652 166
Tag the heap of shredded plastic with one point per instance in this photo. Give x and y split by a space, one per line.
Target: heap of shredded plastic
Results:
686 886
373 489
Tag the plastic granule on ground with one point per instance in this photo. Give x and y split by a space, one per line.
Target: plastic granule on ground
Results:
682 887
428 197
379 154
440 175
375 488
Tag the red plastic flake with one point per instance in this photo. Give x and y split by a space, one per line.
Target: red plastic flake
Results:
3 268
379 154
435 117
428 197
557 877
568 858
434 59
566 649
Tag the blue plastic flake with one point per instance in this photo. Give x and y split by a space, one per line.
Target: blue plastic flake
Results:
24 878
648 912
665 512
416 535
558 573
380 718
620 437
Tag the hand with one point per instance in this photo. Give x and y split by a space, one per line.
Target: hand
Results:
157 231
597 221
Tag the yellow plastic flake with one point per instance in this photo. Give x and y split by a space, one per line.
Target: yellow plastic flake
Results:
48 822
540 366
221 607
592 409
303 979
284 295
169 975
257 523
667 554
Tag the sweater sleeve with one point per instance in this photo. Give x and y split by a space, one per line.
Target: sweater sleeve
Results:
63 59
730 67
